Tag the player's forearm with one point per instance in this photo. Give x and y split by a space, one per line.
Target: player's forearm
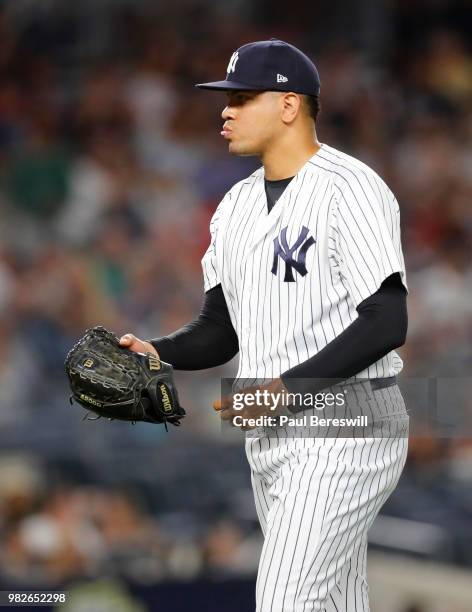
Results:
207 342
199 345
380 328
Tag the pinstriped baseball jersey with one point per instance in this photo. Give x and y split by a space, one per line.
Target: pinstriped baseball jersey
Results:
292 278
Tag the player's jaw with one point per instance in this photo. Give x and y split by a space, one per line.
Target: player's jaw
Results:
238 143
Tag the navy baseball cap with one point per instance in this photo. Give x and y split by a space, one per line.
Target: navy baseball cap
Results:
269 65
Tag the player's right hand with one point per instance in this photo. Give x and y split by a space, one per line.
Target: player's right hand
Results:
136 345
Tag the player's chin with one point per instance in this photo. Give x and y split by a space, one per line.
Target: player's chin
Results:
240 148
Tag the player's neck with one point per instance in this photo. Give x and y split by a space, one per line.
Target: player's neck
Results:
287 158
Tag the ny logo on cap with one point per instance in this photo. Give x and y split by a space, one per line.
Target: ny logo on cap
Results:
286 253
232 62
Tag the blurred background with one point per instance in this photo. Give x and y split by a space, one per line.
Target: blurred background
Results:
111 165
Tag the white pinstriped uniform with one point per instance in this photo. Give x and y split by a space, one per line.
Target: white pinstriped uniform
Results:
315 498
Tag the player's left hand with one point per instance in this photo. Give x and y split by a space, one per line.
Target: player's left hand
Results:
227 411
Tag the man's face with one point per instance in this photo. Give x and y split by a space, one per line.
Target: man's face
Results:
251 121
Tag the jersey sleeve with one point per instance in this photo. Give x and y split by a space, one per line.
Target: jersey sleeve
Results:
366 233
211 275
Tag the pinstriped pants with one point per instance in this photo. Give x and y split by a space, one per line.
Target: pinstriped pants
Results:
316 498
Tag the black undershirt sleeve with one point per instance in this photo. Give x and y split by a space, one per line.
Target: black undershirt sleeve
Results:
211 340
380 327
207 342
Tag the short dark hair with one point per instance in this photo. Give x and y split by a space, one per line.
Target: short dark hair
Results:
313 106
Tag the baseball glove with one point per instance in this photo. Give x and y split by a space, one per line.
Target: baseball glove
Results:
116 383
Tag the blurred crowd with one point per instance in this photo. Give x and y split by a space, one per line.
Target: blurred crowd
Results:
111 164
53 535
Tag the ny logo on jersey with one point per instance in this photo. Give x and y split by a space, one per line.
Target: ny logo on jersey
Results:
282 250
232 62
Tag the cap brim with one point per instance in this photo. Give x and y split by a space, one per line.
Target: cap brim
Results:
225 85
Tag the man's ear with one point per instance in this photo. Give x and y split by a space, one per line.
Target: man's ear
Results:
291 103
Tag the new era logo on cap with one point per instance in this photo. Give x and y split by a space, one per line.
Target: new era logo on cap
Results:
269 65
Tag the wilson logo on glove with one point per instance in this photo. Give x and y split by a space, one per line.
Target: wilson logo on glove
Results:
167 404
154 362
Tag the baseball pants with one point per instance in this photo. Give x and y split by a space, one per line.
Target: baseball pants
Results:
316 498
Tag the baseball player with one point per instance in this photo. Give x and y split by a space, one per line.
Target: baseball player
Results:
305 278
